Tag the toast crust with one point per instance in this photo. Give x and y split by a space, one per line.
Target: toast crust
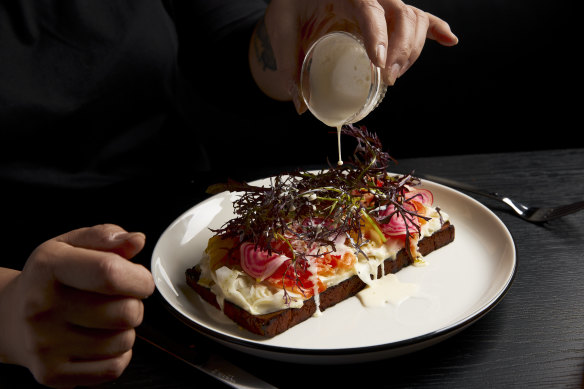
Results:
275 323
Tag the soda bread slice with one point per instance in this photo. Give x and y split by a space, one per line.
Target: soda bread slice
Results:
275 323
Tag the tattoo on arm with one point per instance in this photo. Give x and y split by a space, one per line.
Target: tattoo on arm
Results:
263 47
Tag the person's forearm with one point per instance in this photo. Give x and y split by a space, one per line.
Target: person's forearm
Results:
7 277
263 66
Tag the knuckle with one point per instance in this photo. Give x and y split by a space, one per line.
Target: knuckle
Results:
405 50
44 376
131 312
38 349
371 4
149 285
52 371
367 6
405 13
104 232
34 308
410 15
40 258
421 17
126 340
105 227
109 269
401 52
409 12
99 235
48 374
116 366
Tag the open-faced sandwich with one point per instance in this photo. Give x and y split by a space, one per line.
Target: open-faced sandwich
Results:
313 239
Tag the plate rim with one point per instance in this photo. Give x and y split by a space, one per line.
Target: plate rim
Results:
443 332
435 335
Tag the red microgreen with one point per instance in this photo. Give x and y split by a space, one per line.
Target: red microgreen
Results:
303 209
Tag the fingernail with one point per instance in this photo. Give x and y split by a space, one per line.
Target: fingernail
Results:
298 104
121 236
380 55
450 38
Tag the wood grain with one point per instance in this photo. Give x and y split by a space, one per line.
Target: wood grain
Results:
533 338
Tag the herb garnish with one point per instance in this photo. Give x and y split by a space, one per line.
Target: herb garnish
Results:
304 210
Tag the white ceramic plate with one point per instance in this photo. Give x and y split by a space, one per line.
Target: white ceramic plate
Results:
461 283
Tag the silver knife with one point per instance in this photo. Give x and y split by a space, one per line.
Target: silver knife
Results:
207 362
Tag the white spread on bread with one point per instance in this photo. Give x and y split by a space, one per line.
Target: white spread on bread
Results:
260 298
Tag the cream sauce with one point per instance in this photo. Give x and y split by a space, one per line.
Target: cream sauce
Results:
340 79
387 290
313 268
340 162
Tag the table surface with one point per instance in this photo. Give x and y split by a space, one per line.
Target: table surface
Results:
533 338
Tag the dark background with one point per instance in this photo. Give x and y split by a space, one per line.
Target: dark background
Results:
513 83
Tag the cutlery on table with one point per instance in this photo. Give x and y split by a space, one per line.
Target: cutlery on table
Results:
531 214
208 362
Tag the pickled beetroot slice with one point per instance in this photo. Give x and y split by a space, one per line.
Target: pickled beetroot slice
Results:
396 226
423 196
259 264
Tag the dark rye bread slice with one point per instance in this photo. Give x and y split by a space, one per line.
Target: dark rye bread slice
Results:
275 323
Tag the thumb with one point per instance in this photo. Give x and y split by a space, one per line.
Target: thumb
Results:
106 237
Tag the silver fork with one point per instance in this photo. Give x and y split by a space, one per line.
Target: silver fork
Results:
531 214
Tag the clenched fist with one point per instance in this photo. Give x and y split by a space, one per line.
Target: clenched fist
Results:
70 315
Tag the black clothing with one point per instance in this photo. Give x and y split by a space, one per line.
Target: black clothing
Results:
93 92
101 114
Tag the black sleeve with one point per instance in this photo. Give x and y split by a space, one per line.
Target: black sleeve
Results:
214 41
241 123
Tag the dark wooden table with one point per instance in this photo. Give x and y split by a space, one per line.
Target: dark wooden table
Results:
533 338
